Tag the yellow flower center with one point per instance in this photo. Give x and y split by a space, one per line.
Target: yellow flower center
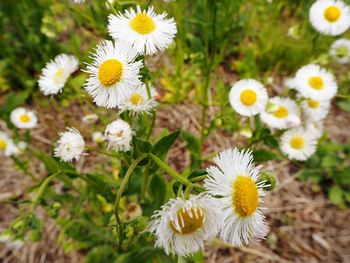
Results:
316 82
3 144
142 24
248 97
245 196
110 72
313 103
332 13
281 112
136 98
59 73
24 118
297 142
188 221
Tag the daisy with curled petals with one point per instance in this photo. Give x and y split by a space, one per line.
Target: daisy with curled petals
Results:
143 29
7 146
56 73
248 97
137 100
119 135
70 145
285 115
112 73
182 226
340 51
23 118
330 17
299 143
234 179
315 82
315 110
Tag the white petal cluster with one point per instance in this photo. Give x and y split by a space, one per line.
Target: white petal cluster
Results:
340 51
70 145
119 135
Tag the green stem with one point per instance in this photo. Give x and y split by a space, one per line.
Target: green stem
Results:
124 183
152 125
199 178
145 182
343 96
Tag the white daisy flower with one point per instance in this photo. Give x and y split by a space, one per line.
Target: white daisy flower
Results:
182 226
56 73
70 145
248 97
144 30
315 110
90 118
98 137
315 128
298 144
330 17
290 83
285 115
23 118
235 180
340 51
119 135
315 82
137 100
7 146
112 73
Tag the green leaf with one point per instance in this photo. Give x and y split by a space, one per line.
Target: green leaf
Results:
101 254
335 195
101 184
196 173
344 105
139 147
162 146
12 101
264 155
157 190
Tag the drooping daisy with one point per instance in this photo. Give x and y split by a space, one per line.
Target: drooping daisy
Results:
298 144
234 179
315 82
70 145
144 30
112 73
285 115
23 118
137 100
330 17
248 97
56 73
340 51
315 110
7 146
316 128
98 137
182 226
90 118
119 135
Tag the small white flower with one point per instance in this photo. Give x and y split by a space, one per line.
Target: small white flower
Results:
315 82
119 135
90 118
10 242
98 137
315 128
340 51
23 118
79 1
56 73
137 100
7 146
234 179
182 226
330 17
248 97
315 110
285 115
298 144
113 73
144 30
70 145
290 83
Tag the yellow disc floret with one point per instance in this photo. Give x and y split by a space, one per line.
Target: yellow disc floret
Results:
136 98
110 72
316 82
313 103
3 144
143 24
332 13
248 97
24 118
297 142
188 221
281 112
245 196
